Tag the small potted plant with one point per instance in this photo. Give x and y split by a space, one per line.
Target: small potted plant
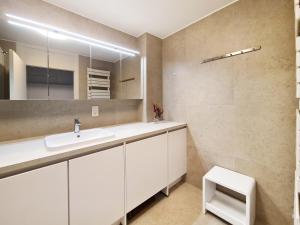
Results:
158 112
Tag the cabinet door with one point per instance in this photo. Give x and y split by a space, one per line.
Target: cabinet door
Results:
38 197
146 169
177 149
97 188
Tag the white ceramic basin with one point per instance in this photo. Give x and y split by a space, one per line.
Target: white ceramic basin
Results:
72 140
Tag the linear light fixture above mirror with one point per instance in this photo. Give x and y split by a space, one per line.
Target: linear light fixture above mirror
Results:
46 33
58 33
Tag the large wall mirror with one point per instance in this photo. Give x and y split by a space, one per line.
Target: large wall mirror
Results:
42 63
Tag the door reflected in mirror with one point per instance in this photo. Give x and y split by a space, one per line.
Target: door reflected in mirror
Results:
41 64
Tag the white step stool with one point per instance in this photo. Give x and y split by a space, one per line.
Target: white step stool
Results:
227 207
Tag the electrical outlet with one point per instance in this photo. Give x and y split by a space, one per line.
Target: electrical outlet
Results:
95 111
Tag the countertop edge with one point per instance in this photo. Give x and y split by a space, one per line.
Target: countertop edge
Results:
29 165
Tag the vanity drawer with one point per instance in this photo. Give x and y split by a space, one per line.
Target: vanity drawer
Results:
37 197
97 187
177 151
146 169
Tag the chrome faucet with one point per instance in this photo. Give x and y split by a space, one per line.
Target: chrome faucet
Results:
76 126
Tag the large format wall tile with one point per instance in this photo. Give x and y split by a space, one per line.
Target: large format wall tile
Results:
240 111
22 119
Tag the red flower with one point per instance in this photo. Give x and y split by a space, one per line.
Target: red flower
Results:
157 110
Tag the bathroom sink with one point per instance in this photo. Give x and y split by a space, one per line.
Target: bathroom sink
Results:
76 140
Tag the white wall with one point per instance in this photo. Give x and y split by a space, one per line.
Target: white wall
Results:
17 77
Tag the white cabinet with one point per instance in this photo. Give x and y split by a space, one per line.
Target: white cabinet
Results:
146 169
177 150
97 188
38 197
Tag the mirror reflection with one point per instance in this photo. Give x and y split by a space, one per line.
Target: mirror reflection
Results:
41 64
66 72
118 75
22 50
129 84
102 68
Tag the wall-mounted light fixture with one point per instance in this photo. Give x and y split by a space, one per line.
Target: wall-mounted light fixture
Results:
61 34
50 34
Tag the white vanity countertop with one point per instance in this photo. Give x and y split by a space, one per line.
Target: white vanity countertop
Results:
21 155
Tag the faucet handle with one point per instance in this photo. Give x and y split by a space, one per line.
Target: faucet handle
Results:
76 121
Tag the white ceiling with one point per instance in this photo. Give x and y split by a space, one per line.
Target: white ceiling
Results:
158 17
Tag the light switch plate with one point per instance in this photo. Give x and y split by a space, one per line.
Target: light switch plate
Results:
95 111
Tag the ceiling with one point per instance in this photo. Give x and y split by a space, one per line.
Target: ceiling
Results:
136 17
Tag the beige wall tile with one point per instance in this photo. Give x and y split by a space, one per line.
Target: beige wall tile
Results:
22 119
270 184
240 111
154 74
151 52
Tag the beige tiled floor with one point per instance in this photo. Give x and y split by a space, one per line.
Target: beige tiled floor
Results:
182 207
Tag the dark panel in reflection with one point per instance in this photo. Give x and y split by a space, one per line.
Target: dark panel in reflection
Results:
60 82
